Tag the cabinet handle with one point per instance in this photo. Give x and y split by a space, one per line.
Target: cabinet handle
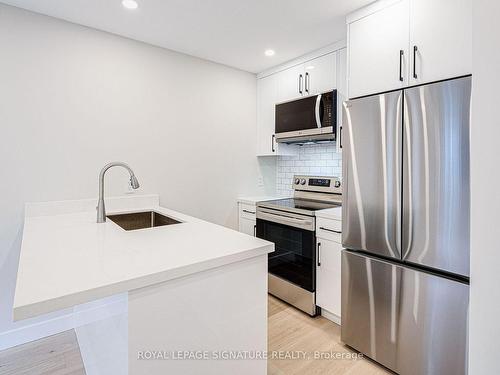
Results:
249 212
307 81
272 143
300 83
340 136
330 230
255 230
401 53
319 254
415 49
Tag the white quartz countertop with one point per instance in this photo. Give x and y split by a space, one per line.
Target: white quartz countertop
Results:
257 199
68 259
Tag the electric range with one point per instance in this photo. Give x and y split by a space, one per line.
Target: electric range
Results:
291 224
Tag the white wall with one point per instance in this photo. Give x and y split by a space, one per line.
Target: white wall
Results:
312 160
485 191
73 98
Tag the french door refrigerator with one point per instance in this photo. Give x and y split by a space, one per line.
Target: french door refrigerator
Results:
405 270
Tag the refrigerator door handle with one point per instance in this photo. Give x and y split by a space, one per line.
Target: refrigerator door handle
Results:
407 209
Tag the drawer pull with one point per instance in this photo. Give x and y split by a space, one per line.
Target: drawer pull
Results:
330 230
249 212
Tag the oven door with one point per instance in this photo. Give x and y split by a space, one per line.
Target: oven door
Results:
294 256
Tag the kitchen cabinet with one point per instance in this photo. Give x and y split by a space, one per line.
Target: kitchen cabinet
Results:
441 31
341 81
328 266
247 219
378 51
309 78
399 43
290 83
266 100
247 226
320 74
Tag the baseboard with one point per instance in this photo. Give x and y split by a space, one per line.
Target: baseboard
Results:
78 316
331 316
36 331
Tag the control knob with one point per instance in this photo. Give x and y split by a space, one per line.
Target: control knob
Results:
337 184
297 181
303 181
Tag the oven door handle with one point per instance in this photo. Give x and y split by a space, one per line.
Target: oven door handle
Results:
307 224
316 111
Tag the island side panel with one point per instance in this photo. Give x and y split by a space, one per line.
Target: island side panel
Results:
222 309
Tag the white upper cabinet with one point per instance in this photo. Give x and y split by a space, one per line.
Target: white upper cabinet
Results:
341 91
291 83
312 77
399 43
378 50
266 98
320 74
441 31
341 81
267 89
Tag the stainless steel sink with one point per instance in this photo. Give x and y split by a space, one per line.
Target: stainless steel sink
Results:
141 220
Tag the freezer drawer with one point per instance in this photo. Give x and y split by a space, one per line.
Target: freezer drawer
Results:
410 321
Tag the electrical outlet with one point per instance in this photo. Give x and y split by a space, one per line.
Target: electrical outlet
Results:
260 181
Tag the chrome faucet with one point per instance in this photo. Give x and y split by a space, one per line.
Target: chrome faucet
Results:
101 209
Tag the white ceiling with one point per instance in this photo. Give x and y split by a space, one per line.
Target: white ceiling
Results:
231 32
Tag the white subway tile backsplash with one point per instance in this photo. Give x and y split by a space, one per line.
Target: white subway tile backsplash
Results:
318 159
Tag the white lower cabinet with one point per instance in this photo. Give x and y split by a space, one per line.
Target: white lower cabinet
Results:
247 226
328 273
247 219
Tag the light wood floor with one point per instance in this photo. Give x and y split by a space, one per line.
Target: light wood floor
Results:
53 355
290 330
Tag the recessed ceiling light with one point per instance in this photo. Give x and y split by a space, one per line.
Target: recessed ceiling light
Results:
130 4
269 52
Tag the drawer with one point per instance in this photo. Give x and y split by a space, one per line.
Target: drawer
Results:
247 211
329 229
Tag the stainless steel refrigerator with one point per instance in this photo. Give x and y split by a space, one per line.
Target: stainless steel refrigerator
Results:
405 270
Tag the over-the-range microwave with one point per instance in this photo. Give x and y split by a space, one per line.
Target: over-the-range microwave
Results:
309 119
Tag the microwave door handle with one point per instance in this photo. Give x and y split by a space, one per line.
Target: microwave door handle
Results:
316 111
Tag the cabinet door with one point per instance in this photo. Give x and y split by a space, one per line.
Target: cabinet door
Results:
375 41
328 275
267 89
341 92
320 74
266 99
442 32
247 226
291 83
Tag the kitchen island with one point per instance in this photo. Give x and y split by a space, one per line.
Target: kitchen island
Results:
195 293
